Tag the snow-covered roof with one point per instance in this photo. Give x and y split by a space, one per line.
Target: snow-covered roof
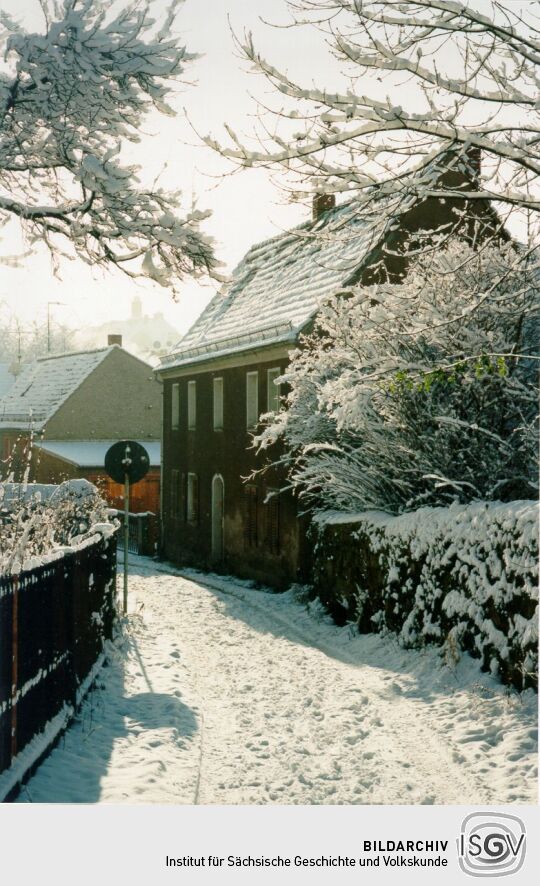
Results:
7 379
44 492
278 286
91 453
45 385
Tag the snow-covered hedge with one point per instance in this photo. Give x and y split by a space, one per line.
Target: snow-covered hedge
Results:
464 577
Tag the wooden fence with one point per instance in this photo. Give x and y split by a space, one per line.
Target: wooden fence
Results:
54 621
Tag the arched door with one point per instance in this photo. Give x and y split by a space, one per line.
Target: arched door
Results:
217 517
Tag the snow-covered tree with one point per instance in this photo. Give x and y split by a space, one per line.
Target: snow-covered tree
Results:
425 80
418 393
71 97
36 520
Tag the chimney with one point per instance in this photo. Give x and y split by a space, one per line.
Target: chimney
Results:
459 168
114 339
474 163
322 203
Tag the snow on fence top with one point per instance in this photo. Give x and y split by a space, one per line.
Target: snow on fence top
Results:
41 522
278 286
45 385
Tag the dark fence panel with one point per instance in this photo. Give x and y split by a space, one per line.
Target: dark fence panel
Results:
54 621
143 533
6 666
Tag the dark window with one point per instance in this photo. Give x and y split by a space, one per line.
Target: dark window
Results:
192 499
272 521
175 493
183 497
250 532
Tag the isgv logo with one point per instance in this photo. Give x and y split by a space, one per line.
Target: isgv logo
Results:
491 844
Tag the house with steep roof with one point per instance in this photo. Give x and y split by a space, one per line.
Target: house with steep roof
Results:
7 378
73 407
217 510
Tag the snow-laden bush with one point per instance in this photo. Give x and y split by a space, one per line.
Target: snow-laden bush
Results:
36 520
420 393
463 577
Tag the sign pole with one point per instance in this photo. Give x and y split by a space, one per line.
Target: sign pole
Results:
126 462
126 539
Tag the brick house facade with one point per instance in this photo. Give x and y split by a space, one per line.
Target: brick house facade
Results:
212 516
75 406
215 511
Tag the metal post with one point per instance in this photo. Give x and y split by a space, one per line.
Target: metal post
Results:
126 539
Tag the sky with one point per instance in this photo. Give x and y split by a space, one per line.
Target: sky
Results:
247 207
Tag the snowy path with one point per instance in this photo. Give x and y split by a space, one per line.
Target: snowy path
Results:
229 695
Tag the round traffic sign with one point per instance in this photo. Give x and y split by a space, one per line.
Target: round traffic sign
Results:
127 457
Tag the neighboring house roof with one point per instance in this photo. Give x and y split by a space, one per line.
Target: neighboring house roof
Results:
44 492
91 453
279 285
7 379
45 385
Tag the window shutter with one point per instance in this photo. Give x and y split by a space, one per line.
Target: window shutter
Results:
175 407
273 390
252 399
218 404
192 405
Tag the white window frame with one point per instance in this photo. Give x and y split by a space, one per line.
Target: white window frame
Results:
175 406
272 390
218 403
252 399
192 405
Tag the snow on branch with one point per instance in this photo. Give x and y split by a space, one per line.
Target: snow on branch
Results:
426 78
421 392
70 98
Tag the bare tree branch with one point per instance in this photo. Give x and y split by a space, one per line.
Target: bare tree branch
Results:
457 80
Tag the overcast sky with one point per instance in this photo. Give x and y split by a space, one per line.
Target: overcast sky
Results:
246 207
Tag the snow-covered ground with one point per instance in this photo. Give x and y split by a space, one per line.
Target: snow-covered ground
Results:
220 693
